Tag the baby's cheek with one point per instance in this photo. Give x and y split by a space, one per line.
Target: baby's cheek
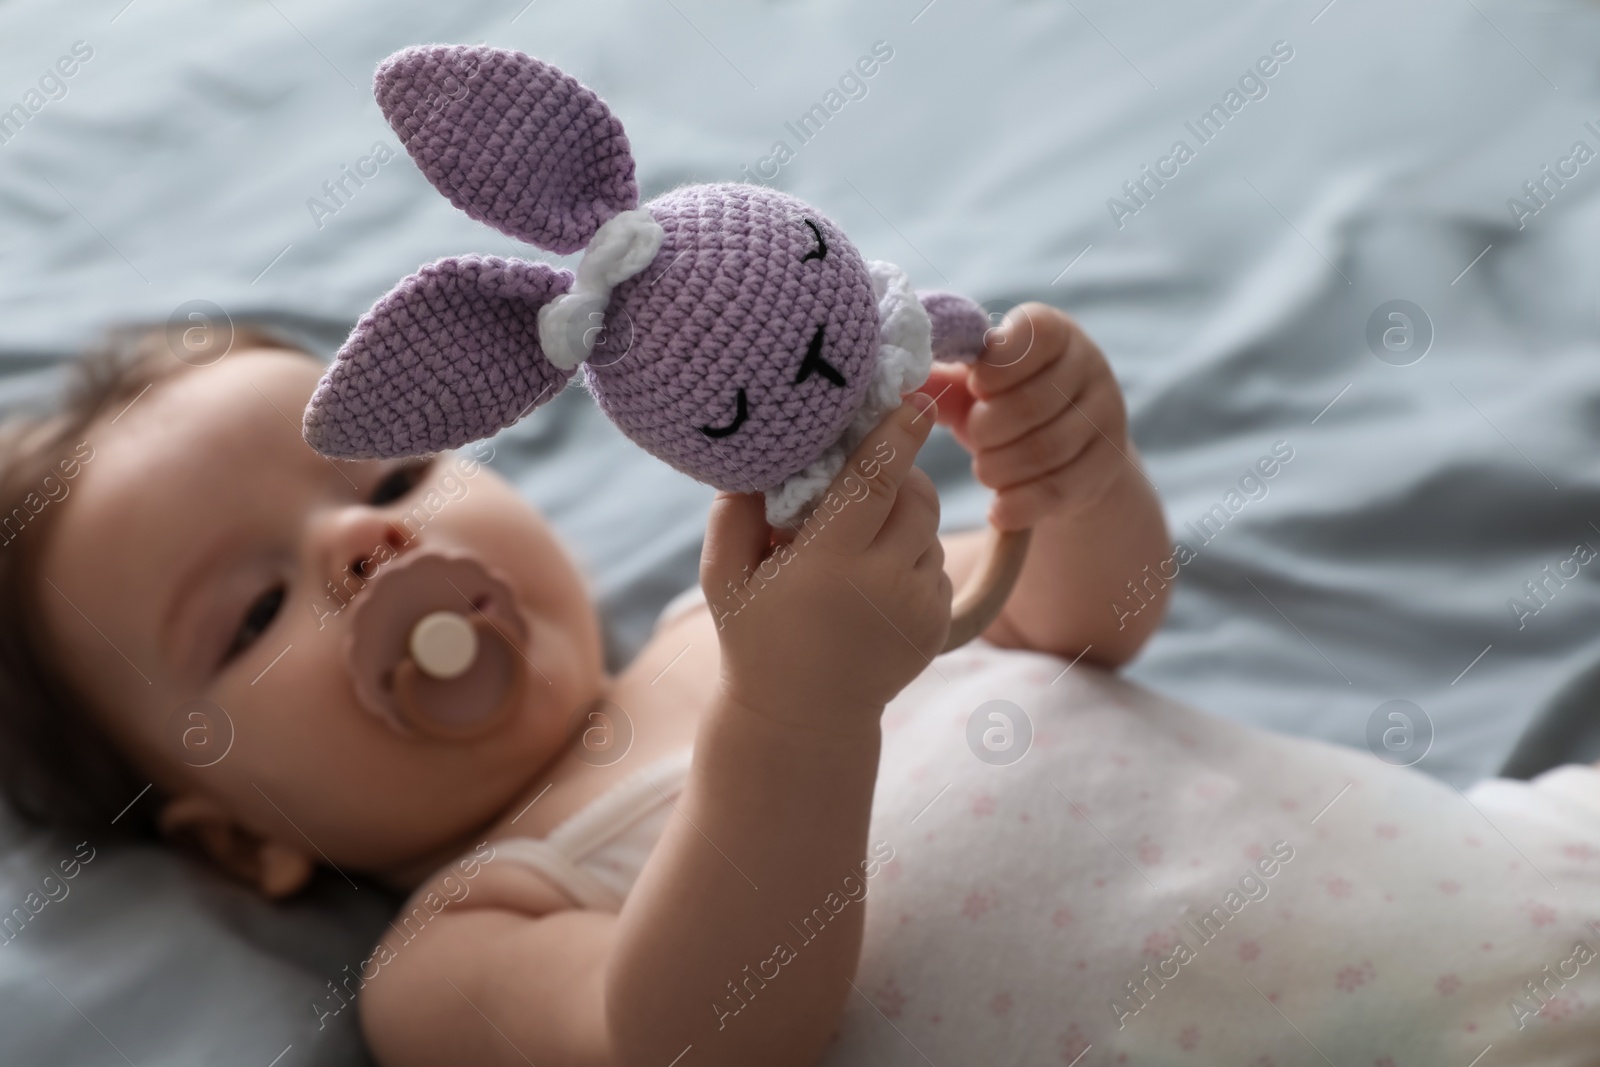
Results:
303 700
285 732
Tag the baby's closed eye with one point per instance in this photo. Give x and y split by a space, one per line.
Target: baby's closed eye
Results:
257 619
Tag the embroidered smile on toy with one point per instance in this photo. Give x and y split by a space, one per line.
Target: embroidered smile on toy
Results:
731 330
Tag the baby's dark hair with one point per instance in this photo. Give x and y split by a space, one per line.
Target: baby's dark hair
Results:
58 769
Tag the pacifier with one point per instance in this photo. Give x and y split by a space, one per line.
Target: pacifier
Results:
435 646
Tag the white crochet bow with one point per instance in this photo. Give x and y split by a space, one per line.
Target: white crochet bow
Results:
623 246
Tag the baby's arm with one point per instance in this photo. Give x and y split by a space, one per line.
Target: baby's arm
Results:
1044 420
771 827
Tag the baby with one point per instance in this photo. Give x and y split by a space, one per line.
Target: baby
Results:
671 865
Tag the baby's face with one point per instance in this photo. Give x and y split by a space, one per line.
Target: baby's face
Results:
206 554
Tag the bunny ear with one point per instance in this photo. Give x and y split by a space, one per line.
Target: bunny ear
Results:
959 325
449 355
511 141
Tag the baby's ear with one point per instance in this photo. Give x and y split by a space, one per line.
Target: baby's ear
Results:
959 325
200 824
513 142
448 356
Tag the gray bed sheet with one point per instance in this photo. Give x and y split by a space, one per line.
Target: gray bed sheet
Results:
1383 161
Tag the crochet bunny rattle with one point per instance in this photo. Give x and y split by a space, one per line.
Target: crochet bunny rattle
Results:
731 330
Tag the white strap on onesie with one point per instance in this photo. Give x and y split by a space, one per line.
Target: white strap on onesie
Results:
597 853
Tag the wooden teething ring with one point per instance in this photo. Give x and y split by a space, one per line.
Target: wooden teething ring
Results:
978 602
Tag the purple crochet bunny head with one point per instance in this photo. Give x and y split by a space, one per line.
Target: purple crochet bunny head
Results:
731 330
760 339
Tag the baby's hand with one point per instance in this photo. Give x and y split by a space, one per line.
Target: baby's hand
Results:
1041 414
823 631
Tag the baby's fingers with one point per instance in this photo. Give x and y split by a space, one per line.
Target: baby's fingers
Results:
1031 339
913 522
864 492
737 537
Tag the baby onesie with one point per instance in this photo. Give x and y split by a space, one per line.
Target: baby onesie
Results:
1150 885
1067 868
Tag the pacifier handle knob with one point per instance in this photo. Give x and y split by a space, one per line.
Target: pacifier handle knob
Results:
443 644
412 680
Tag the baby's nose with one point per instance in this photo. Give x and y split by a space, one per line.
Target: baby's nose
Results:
435 647
355 543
